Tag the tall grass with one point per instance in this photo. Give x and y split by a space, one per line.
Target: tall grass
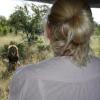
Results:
8 38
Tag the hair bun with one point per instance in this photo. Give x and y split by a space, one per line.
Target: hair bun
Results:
81 25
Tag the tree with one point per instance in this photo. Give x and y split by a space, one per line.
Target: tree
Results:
39 13
18 19
4 27
3 21
29 23
97 29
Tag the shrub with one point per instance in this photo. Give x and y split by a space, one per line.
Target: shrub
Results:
4 31
22 50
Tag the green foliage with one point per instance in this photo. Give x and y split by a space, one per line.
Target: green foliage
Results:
3 21
3 51
97 30
17 20
4 27
10 30
22 51
4 32
30 24
96 40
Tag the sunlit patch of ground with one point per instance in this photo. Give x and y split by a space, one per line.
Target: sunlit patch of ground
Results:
10 37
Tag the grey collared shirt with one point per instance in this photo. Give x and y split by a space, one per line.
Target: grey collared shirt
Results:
57 79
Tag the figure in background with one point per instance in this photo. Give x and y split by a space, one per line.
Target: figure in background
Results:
72 74
13 57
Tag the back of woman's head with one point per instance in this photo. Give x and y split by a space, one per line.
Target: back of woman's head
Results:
69 27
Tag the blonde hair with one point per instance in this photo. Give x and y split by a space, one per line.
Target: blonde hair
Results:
69 27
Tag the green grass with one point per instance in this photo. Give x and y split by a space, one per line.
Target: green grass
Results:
4 82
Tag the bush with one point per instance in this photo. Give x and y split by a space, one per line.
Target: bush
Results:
10 30
4 31
22 50
3 51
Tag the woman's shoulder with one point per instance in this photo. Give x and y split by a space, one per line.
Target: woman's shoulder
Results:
32 68
53 63
45 66
25 70
57 68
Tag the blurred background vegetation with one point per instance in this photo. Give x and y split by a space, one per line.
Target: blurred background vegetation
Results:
25 29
